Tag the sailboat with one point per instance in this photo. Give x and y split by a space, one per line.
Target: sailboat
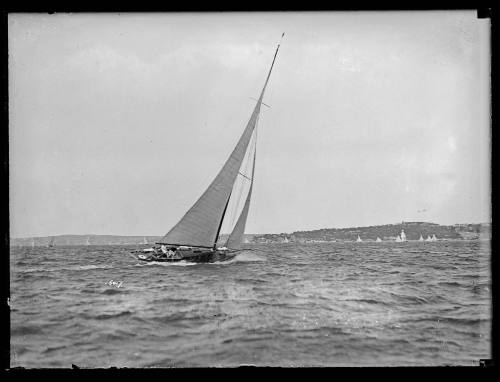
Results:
88 241
359 239
434 238
421 238
403 235
378 240
195 237
32 243
144 241
51 244
398 239
428 238
285 240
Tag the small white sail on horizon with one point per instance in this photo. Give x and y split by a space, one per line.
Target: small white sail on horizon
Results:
144 241
378 240
359 239
428 238
88 241
403 235
421 238
398 239
434 238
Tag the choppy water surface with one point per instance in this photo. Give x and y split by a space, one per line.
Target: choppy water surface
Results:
331 304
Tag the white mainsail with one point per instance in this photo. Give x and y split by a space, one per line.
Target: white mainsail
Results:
434 238
378 240
421 238
359 239
428 238
398 239
200 226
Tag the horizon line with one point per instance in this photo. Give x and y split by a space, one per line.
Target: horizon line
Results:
266 233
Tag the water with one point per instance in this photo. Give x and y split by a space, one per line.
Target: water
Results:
331 304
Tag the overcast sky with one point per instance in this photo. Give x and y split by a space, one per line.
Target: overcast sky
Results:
118 122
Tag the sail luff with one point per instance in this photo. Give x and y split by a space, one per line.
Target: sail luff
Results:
200 225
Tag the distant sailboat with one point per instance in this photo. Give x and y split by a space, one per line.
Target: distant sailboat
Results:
195 237
285 240
421 238
398 239
359 239
88 241
403 236
434 238
32 243
428 238
144 241
378 240
51 244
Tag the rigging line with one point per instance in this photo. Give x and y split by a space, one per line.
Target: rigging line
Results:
261 102
244 176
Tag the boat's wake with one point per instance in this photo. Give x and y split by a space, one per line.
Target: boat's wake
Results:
181 263
244 256
247 256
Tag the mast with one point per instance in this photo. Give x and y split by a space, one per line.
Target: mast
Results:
200 226
236 236
221 221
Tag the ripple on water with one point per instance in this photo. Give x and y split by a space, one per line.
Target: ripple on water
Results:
323 304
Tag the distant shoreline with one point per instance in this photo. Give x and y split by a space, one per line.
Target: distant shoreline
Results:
387 233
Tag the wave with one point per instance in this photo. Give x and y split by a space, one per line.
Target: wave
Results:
111 292
367 301
51 349
74 268
450 283
107 316
464 321
25 330
412 299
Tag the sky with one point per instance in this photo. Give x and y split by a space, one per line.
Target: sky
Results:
118 122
